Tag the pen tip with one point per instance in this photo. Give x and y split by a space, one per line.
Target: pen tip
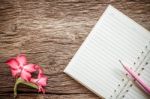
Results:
121 62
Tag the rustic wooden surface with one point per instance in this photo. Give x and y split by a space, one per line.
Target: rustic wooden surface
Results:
50 32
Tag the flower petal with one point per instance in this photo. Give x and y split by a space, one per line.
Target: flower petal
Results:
13 63
25 75
40 70
41 89
15 72
22 60
43 81
30 68
33 80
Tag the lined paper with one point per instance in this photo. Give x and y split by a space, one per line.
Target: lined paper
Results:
95 65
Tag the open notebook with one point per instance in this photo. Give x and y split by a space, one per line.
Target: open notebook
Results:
95 65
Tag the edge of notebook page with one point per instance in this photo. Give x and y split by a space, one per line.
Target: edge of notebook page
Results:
87 39
84 85
82 45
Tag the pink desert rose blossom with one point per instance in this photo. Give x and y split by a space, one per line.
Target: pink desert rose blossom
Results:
41 82
20 68
23 72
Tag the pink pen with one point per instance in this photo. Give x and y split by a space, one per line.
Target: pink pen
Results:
144 86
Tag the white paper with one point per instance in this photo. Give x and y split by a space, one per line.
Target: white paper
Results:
96 66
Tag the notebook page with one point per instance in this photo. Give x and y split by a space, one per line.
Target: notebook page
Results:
95 64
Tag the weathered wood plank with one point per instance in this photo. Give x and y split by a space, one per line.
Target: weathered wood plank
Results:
50 96
50 32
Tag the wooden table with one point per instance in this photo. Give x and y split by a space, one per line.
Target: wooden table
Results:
49 32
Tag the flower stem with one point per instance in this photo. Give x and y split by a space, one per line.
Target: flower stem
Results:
21 81
15 87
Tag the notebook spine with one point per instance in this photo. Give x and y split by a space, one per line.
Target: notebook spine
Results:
123 87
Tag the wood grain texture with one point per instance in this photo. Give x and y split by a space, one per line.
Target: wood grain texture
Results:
49 32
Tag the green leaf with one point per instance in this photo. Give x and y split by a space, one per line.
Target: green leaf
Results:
30 84
21 81
43 65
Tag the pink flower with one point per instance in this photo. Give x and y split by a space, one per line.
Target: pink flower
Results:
41 82
40 70
20 68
